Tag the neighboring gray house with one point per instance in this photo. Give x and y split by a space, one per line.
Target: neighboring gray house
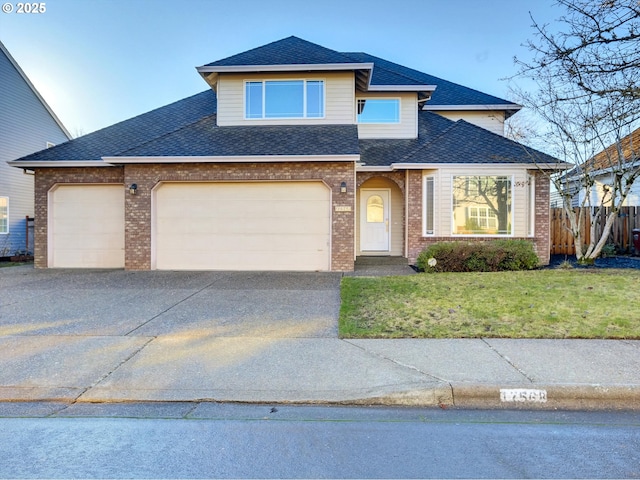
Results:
27 125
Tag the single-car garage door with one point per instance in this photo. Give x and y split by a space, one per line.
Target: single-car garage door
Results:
242 226
86 226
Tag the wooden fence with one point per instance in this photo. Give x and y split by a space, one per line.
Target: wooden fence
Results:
621 232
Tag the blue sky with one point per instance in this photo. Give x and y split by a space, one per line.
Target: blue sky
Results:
97 62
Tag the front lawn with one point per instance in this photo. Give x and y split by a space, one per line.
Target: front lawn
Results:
580 303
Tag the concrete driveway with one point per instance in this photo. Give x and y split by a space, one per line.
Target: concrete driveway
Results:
152 303
77 336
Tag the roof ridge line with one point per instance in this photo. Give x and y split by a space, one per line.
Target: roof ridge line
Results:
396 73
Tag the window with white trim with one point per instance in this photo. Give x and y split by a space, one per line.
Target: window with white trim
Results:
482 205
378 110
429 207
284 99
4 215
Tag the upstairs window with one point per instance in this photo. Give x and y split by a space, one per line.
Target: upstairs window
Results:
378 110
284 99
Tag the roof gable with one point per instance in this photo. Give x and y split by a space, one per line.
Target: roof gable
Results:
14 64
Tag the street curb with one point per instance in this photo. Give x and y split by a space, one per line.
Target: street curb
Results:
547 396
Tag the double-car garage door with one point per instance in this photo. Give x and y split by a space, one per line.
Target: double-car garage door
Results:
242 226
197 226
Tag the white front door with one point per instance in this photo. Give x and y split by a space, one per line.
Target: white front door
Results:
374 220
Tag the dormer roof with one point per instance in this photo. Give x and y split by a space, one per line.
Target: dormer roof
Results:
295 54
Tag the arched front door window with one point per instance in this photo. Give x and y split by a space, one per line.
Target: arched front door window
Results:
375 209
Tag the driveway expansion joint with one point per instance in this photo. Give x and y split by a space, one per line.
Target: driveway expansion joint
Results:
109 373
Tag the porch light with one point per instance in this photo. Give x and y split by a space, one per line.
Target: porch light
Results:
343 187
133 188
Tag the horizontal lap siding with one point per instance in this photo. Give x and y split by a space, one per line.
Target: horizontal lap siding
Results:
443 200
489 120
27 126
417 241
339 103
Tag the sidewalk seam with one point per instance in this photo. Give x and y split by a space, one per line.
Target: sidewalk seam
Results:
395 362
508 360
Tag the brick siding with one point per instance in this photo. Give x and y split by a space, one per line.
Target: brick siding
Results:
147 177
45 180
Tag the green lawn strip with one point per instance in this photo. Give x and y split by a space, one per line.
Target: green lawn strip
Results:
533 304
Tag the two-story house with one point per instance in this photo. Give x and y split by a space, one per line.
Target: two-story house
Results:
27 125
297 157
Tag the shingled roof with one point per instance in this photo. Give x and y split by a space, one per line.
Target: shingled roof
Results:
188 127
442 141
122 136
205 139
288 51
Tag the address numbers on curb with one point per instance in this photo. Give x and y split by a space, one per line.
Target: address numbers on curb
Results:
522 395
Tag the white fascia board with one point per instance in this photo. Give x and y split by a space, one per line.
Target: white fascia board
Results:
477 166
234 159
437 108
382 168
58 163
402 88
285 68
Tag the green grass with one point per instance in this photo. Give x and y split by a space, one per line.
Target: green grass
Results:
533 304
12 264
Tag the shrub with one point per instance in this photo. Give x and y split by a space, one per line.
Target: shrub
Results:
485 256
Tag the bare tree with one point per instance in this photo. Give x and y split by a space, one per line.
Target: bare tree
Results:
587 73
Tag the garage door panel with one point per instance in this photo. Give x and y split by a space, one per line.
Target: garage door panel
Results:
87 226
243 226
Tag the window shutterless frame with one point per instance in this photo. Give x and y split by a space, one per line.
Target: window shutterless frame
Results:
464 223
428 202
4 215
284 99
378 110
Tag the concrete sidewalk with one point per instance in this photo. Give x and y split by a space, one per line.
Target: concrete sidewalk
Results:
153 337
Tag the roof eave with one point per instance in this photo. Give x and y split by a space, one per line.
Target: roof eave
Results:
58 163
513 107
402 88
476 166
295 67
232 159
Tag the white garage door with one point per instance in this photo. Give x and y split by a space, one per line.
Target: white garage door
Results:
242 226
86 226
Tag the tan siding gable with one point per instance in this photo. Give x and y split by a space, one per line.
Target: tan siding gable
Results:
339 102
489 120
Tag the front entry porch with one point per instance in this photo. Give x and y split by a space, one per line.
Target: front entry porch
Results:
379 266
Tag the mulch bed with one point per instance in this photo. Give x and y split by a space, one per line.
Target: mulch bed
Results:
606 262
